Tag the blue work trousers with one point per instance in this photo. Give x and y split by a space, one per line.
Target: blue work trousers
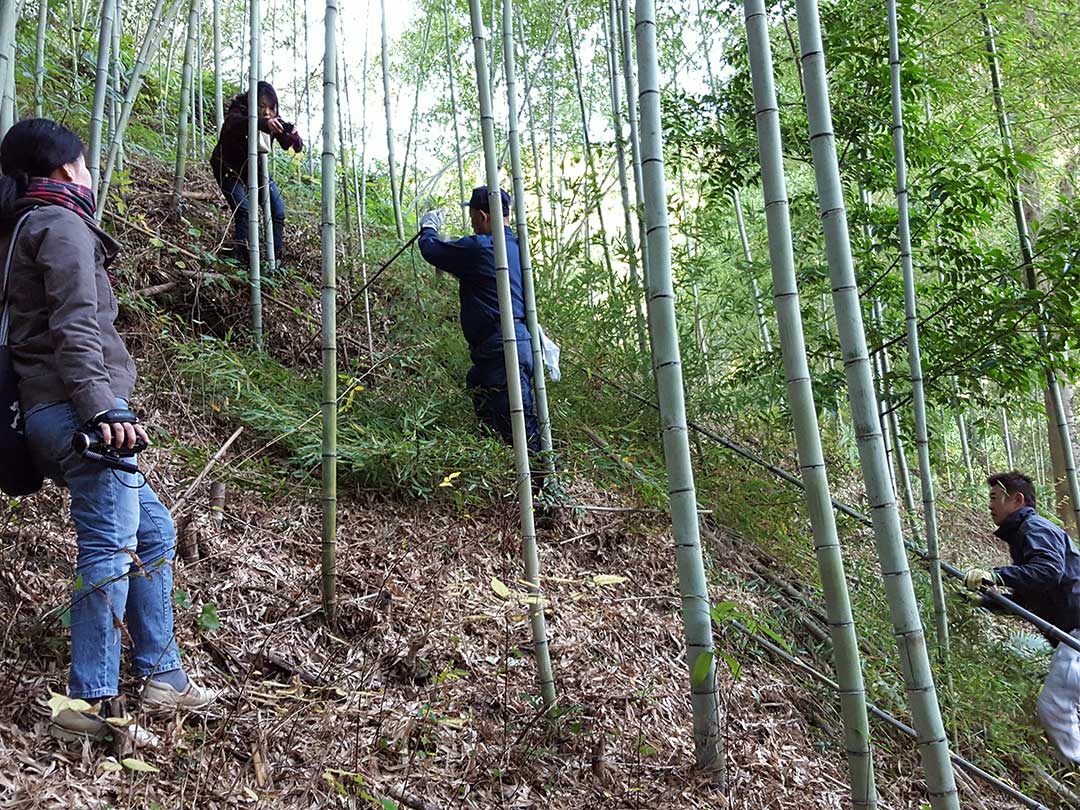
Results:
236 194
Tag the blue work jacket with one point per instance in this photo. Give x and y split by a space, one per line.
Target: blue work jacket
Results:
1045 574
471 260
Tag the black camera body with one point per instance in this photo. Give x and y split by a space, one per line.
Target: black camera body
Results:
89 443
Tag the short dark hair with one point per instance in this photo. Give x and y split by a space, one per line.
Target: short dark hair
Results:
35 147
1013 482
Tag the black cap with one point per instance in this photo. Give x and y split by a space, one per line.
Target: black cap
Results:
479 200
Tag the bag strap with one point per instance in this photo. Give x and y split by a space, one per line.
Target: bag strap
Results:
6 272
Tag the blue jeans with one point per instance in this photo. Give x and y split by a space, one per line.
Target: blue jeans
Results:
124 574
236 194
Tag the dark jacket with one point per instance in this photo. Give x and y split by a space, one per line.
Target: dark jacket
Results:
229 158
1045 574
471 260
64 344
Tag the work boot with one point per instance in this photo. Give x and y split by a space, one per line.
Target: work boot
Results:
160 697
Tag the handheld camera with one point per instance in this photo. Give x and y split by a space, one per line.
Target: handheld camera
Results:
89 443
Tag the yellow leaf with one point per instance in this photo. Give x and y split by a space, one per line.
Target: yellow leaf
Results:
500 588
449 480
608 579
110 765
119 722
138 765
58 703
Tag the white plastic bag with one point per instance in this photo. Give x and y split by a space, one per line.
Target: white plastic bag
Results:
551 352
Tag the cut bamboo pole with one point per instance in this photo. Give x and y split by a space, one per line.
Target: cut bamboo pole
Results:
800 394
904 610
528 288
101 88
911 315
667 370
541 649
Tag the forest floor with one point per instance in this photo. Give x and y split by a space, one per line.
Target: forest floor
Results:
423 694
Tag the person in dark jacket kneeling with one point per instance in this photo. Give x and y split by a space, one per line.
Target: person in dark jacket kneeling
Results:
230 155
471 260
76 376
1045 579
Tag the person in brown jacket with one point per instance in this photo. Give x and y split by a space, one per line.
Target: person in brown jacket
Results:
76 376
229 160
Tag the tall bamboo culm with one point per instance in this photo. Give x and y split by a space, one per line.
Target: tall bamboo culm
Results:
528 288
161 20
635 140
624 186
254 270
185 103
39 58
667 369
9 18
453 112
101 87
395 190
1056 413
329 318
541 649
815 479
219 101
904 610
911 315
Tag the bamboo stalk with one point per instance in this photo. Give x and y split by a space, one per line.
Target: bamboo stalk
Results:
9 18
329 319
395 191
635 141
541 650
1056 415
101 86
922 439
116 93
453 113
528 289
254 270
624 187
185 103
219 102
907 624
667 370
39 58
267 213
815 482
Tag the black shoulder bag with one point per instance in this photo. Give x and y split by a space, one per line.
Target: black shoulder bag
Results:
18 473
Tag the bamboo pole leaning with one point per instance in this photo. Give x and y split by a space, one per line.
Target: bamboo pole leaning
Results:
39 58
922 439
395 190
1056 413
254 269
904 610
528 288
667 370
624 188
329 319
101 87
815 481
185 104
541 649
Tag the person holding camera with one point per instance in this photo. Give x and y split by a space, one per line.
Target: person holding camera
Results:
75 377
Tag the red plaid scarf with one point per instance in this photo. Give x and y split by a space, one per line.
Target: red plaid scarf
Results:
69 195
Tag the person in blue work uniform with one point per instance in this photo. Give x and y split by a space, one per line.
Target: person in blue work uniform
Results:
1045 579
471 260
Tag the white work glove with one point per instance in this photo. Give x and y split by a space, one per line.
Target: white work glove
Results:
432 219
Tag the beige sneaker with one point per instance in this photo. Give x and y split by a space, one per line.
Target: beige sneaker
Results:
160 697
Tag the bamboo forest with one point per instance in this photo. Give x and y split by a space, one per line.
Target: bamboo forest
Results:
513 404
